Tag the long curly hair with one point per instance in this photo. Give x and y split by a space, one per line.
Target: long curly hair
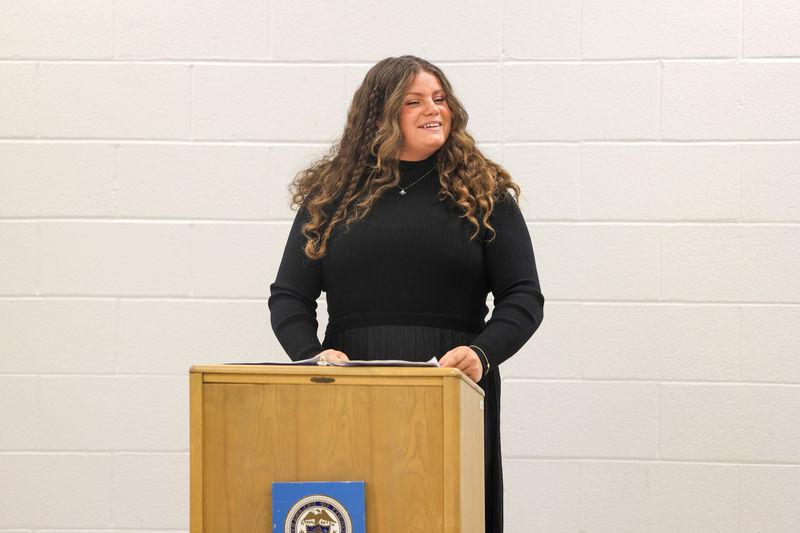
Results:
344 184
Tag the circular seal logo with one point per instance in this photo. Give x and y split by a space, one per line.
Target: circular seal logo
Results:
317 514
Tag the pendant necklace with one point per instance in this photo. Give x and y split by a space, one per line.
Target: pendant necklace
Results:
403 190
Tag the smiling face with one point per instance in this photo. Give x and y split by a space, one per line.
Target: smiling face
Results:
423 103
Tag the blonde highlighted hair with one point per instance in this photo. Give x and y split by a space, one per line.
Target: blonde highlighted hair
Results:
342 186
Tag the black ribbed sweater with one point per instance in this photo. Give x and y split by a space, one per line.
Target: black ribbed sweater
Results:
410 261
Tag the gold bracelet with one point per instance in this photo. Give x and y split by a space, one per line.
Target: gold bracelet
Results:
488 366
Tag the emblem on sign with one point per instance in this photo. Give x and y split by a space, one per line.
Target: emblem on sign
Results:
318 514
318 507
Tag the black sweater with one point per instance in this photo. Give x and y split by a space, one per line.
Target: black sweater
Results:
410 261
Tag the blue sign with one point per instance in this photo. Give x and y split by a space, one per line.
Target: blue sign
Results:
318 507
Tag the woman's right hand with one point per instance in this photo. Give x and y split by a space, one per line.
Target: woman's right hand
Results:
334 355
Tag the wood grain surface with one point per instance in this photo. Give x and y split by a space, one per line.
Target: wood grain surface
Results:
405 435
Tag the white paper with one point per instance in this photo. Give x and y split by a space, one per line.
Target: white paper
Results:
380 362
433 361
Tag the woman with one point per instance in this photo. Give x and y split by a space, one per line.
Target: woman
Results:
407 226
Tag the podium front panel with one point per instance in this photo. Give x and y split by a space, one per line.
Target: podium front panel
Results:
414 435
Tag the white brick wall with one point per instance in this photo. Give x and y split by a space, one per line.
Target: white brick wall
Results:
145 150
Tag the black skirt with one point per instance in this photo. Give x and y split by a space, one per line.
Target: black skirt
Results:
420 343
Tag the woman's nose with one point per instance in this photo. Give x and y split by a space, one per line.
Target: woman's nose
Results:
430 107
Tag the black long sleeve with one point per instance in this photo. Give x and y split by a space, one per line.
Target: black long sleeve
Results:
410 261
293 296
514 281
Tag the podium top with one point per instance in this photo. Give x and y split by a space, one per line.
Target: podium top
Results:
337 371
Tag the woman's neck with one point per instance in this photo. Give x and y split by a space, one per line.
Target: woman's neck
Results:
413 165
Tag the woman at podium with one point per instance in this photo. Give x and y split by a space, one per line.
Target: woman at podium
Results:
407 226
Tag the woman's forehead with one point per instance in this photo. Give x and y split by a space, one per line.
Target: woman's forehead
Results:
424 81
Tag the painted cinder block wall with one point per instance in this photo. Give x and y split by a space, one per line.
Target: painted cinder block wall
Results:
145 149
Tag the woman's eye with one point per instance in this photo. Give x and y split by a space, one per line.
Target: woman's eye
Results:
440 99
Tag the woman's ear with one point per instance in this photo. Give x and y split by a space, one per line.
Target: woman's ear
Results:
379 122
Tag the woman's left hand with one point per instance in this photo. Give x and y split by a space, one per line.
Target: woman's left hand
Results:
465 359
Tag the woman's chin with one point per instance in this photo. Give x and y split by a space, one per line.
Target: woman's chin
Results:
433 142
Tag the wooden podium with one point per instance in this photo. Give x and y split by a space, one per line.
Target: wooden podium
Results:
413 434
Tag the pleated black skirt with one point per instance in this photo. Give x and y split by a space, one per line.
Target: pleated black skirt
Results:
420 343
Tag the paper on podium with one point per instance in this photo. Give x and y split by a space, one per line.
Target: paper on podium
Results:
387 362
374 362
